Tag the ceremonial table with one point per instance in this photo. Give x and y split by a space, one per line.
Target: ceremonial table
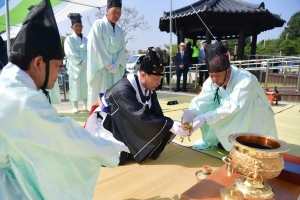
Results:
209 188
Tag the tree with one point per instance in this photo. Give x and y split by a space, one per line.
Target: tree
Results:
174 49
292 31
130 21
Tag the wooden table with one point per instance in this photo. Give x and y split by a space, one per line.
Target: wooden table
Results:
210 187
273 97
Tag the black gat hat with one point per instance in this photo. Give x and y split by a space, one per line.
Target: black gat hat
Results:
154 62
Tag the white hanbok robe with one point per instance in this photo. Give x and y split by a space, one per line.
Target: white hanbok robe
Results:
244 108
43 155
105 46
76 51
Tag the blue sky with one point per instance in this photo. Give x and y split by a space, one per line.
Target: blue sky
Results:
153 10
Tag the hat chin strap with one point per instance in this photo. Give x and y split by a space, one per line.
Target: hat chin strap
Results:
217 90
43 88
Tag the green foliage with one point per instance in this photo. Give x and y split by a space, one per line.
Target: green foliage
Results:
292 31
174 49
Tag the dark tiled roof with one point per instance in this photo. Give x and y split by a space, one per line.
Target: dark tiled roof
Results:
225 9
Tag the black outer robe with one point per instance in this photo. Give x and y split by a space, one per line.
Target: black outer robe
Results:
144 131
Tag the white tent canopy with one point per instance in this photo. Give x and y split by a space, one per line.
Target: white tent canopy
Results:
60 11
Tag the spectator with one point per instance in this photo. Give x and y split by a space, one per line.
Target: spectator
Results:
202 60
182 67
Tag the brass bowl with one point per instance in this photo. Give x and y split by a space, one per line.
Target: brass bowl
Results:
258 158
257 152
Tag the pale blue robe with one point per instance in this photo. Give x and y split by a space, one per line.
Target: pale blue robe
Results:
42 155
104 47
76 51
244 109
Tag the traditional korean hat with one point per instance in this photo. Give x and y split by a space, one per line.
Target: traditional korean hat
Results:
216 55
114 3
39 36
75 18
154 62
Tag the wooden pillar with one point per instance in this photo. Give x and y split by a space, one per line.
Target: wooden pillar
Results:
208 37
253 43
178 37
241 44
194 41
253 46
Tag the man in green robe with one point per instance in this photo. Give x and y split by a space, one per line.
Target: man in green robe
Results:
75 47
42 155
231 101
106 52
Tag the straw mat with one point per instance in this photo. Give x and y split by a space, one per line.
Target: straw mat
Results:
80 117
164 178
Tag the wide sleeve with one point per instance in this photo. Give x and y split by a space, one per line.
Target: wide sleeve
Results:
71 52
242 93
97 55
121 55
54 155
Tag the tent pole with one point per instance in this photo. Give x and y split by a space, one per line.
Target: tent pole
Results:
170 69
7 27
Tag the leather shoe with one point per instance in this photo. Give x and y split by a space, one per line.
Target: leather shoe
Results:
177 90
184 90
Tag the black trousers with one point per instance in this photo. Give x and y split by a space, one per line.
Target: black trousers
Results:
178 74
202 74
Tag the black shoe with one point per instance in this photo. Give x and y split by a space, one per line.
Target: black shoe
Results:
184 90
177 90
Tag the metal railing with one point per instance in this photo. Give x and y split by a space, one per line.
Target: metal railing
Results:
288 65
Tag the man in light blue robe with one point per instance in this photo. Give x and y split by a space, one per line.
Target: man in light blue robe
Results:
106 52
42 155
231 101
75 47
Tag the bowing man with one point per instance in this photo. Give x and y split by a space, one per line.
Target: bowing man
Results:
134 115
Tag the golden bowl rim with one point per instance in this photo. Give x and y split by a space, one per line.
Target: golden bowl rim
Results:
284 147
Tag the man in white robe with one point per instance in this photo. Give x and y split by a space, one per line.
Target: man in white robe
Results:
106 52
75 47
42 155
231 101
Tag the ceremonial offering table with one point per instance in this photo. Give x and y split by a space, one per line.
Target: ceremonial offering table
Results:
272 98
209 188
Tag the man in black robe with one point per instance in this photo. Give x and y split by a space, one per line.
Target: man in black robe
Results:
134 114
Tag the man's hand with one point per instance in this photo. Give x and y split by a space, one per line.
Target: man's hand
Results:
115 67
181 66
109 67
178 131
83 63
198 122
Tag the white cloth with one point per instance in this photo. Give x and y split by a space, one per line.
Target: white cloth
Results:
177 130
105 46
43 155
95 128
76 53
244 108
198 122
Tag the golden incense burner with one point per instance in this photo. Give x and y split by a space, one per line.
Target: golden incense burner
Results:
258 158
